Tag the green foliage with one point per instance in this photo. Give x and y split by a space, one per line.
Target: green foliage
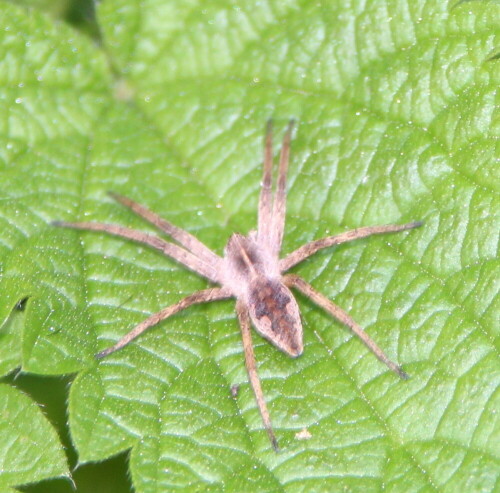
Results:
397 111
30 449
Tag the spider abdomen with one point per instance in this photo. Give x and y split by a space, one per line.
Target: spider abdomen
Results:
275 314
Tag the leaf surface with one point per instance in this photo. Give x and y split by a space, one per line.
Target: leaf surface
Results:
30 448
397 111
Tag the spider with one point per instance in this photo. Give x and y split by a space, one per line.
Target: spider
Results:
250 271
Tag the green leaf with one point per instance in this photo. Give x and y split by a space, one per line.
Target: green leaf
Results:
30 448
397 111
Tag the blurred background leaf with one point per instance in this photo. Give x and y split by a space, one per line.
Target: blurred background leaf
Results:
397 110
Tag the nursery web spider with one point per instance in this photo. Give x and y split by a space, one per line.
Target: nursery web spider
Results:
250 271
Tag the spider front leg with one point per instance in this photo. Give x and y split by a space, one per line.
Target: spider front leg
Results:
335 311
244 319
204 296
279 204
266 192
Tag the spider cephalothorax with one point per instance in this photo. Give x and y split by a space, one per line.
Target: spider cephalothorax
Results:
250 271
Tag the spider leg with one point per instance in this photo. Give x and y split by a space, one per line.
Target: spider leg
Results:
279 205
187 240
204 296
265 199
312 247
244 320
182 256
335 311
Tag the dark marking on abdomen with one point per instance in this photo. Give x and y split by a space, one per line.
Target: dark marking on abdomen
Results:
270 301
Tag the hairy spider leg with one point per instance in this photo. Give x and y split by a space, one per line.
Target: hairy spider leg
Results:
336 312
265 199
175 252
279 204
312 247
186 239
204 296
246 334
272 207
